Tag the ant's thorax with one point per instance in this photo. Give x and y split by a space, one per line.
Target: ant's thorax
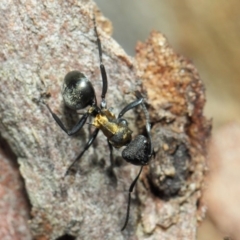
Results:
116 130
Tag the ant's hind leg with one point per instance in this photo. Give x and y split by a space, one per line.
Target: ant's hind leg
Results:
102 67
75 129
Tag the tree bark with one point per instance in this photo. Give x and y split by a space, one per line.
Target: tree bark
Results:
40 43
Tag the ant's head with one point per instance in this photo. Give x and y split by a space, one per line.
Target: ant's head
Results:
77 91
137 151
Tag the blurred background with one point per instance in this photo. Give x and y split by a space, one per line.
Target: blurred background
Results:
208 33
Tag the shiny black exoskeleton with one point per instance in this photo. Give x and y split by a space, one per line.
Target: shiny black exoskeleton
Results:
78 93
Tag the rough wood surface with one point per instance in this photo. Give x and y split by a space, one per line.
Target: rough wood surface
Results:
14 209
40 43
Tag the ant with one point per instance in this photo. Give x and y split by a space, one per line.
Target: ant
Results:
78 93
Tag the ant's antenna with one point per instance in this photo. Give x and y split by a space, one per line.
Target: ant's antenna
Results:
149 151
129 198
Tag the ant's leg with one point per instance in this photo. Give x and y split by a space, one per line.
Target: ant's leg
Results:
137 102
129 198
76 128
102 68
148 130
111 154
132 105
110 169
89 143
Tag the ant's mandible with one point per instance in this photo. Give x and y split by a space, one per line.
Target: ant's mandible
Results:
78 93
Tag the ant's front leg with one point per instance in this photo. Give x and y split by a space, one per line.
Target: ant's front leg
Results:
133 104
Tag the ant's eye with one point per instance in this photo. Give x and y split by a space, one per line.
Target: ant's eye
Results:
77 91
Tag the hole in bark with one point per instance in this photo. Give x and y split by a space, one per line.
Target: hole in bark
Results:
66 237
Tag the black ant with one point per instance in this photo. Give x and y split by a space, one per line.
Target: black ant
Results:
78 93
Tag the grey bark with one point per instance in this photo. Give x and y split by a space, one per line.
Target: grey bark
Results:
40 43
